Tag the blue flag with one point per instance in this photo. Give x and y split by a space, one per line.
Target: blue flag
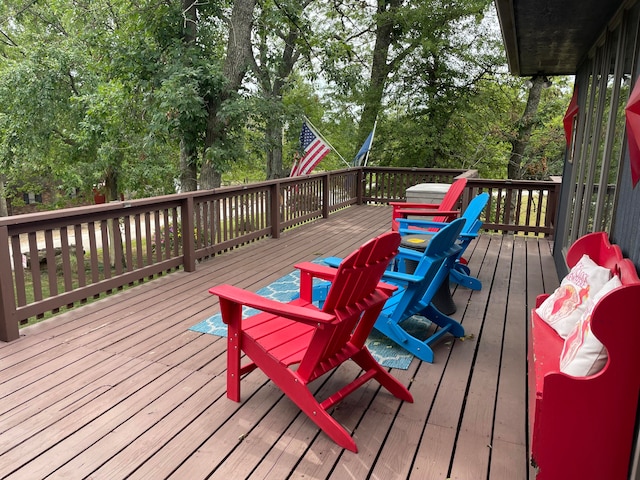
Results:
362 153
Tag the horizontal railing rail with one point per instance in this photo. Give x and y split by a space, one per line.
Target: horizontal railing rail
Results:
58 259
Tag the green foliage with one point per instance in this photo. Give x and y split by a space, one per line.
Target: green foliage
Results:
545 151
104 91
107 91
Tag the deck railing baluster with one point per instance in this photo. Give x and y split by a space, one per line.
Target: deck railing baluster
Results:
118 251
66 261
18 269
148 238
139 242
51 263
128 242
93 252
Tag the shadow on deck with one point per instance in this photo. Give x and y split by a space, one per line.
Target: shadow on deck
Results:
122 389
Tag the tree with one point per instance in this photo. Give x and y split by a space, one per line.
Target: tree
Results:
413 68
39 78
188 140
282 35
4 211
112 97
525 126
224 112
134 96
536 135
410 34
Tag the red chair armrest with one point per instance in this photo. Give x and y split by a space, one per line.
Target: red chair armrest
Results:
294 312
317 270
431 212
414 204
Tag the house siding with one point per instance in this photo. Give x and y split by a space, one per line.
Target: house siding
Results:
627 217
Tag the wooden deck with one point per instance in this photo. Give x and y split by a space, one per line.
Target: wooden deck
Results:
122 389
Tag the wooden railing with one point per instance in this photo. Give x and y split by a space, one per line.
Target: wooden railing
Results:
57 259
517 206
384 185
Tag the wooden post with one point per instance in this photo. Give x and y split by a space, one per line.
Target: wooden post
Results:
551 219
8 324
359 186
188 242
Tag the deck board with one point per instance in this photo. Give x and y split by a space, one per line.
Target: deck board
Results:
509 434
120 388
474 437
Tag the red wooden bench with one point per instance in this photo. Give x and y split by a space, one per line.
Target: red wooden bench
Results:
583 427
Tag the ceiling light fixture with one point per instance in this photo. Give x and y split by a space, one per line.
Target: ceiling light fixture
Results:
546 82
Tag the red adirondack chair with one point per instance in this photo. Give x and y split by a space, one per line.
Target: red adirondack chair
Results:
298 333
443 212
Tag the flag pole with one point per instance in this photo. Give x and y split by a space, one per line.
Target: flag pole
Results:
325 140
373 134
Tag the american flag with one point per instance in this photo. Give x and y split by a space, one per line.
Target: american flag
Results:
313 150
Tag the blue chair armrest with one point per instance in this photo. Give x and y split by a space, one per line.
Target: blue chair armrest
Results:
401 277
333 261
407 253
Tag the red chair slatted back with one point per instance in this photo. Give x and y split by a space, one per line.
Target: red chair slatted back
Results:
352 293
451 198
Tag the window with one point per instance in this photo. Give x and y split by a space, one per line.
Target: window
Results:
31 198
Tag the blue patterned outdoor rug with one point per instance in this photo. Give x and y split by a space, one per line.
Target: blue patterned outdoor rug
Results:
385 351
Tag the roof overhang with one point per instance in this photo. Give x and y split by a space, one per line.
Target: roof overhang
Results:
552 37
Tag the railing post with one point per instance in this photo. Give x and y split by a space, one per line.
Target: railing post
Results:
552 207
325 195
188 227
276 203
8 324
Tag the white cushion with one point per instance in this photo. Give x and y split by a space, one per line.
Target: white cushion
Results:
565 306
583 354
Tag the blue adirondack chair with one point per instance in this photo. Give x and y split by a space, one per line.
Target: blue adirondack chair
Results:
460 272
416 291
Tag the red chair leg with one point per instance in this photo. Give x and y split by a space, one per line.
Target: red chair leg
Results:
384 378
232 314
233 368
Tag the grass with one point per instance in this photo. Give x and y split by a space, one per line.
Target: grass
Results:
29 288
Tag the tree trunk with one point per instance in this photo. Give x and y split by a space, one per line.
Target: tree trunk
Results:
209 177
379 70
111 184
273 136
188 148
239 52
235 67
188 167
4 210
526 124
111 187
